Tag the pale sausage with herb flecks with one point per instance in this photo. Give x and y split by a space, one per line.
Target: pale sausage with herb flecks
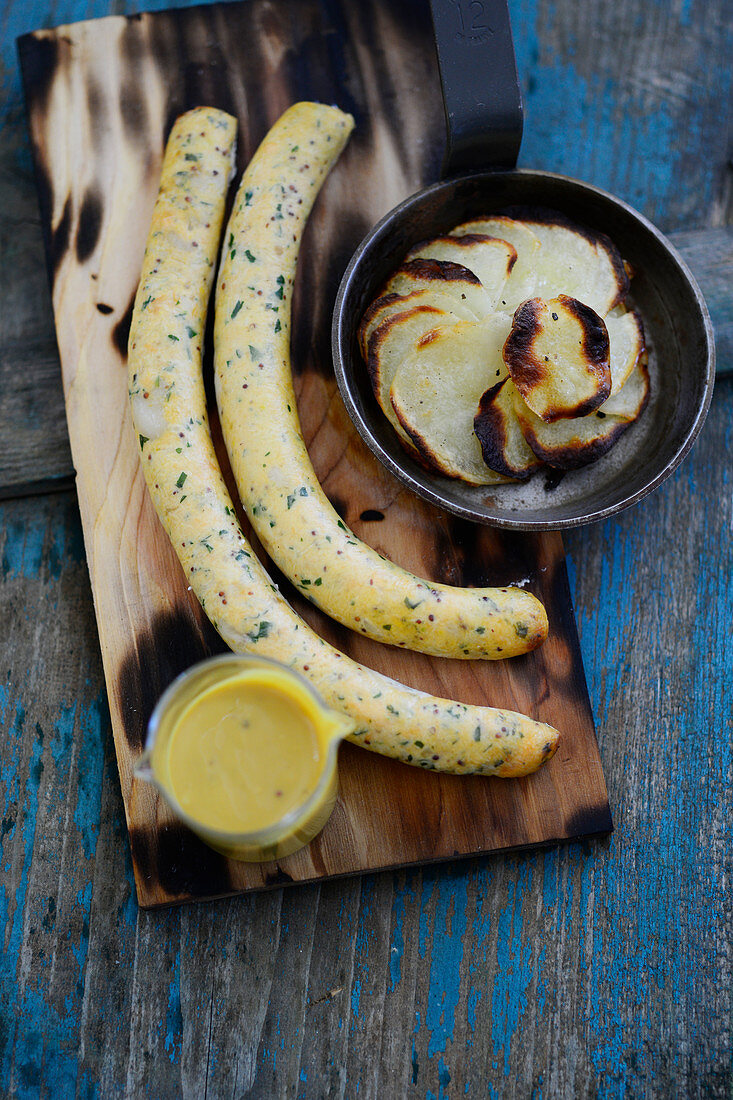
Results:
182 473
278 487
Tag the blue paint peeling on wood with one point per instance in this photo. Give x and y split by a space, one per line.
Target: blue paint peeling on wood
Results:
364 935
22 550
446 959
93 727
23 1032
573 124
620 894
569 880
415 1061
356 999
174 1017
10 774
514 959
87 1089
474 998
404 895
41 1039
29 552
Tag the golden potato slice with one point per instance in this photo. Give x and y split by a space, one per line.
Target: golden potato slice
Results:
516 232
568 444
626 337
499 433
389 304
557 354
376 312
436 391
577 262
631 399
394 341
453 279
522 281
489 258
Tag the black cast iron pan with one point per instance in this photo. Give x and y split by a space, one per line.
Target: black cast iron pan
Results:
484 125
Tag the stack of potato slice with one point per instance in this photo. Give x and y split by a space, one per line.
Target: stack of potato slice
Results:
505 345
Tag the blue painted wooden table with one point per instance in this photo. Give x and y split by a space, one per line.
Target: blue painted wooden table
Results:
598 969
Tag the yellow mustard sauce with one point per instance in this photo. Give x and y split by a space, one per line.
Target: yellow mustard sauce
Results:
245 752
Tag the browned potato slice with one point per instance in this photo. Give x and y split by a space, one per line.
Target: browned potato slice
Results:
522 281
568 444
389 304
577 262
489 258
516 232
557 354
626 337
374 314
453 279
630 401
498 431
391 343
436 391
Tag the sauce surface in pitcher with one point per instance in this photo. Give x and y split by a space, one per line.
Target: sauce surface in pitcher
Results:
246 752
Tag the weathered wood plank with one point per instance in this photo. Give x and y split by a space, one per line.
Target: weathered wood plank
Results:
632 97
35 451
709 254
35 456
592 972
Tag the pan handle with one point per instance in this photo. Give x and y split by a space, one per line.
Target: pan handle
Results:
478 77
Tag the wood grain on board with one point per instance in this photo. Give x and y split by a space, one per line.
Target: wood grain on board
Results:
581 970
102 96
